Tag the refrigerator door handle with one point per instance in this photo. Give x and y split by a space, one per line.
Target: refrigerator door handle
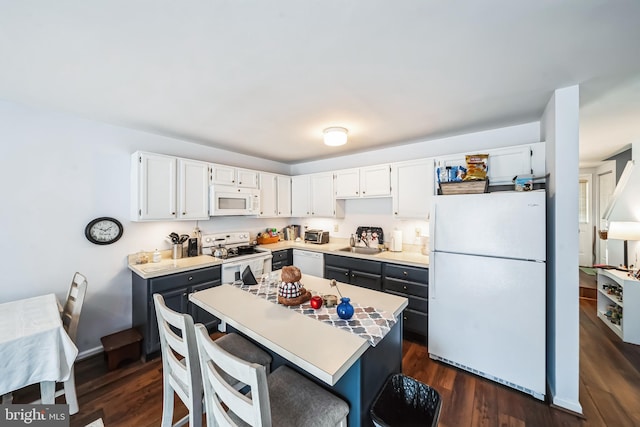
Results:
432 231
432 282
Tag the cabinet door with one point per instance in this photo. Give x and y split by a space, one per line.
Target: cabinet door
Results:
323 202
200 315
413 188
300 197
268 195
176 300
156 186
505 163
338 273
193 189
375 181
347 183
284 195
247 178
222 174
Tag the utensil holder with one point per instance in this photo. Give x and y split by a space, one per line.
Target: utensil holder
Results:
176 251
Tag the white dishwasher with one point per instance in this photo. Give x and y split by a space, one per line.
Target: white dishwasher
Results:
309 262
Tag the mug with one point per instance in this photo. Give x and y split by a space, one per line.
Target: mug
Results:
329 300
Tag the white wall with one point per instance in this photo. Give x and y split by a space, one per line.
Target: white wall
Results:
559 128
503 137
59 172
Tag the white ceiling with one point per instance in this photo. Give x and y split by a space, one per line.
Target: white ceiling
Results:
266 77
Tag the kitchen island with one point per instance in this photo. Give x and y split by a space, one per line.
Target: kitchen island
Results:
346 363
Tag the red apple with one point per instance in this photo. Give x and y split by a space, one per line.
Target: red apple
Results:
316 302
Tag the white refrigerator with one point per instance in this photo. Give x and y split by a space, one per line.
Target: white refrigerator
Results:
487 280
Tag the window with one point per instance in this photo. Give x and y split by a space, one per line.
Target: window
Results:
583 201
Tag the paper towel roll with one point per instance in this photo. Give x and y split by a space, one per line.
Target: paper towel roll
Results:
396 241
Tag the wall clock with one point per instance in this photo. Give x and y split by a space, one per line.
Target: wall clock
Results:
104 230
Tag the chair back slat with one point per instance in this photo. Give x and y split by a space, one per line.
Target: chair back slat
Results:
73 305
255 411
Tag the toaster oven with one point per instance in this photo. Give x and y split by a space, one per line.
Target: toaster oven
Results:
316 236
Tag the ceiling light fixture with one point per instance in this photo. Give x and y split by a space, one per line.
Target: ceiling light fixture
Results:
335 136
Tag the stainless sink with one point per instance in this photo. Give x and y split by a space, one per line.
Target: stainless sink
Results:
361 250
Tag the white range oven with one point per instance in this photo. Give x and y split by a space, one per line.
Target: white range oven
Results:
240 254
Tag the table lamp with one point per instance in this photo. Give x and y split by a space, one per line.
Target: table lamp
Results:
624 230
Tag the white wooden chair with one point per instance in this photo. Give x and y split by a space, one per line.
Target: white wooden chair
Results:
70 315
184 376
181 376
70 320
284 398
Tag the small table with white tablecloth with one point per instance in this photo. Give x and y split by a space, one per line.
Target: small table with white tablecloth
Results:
34 347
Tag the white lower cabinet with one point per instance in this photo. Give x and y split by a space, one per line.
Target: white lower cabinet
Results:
275 195
619 304
166 187
412 188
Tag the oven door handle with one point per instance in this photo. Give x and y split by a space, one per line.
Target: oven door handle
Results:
228 265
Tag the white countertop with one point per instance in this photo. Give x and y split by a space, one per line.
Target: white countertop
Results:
321 350
410 255
170 266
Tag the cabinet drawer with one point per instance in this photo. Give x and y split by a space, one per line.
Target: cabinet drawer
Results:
338 273
415 303
409 288
366 280
373 267
279 256
188 278
415 321
404 272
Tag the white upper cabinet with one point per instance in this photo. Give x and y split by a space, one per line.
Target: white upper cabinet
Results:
371 181
283 191
412 186
247 178
164 187
347 183
313 195
193 189
322 197
503 164
236 177
375 181
275 195
300 195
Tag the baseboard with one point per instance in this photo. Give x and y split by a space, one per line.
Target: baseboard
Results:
90 352
571 407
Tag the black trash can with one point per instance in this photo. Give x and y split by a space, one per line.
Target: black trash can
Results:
405 401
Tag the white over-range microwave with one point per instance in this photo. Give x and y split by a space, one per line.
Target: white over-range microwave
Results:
226 200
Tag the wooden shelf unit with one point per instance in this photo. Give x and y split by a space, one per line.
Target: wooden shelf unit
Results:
629 328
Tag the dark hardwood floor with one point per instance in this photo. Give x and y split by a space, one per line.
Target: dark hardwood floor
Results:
609 388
